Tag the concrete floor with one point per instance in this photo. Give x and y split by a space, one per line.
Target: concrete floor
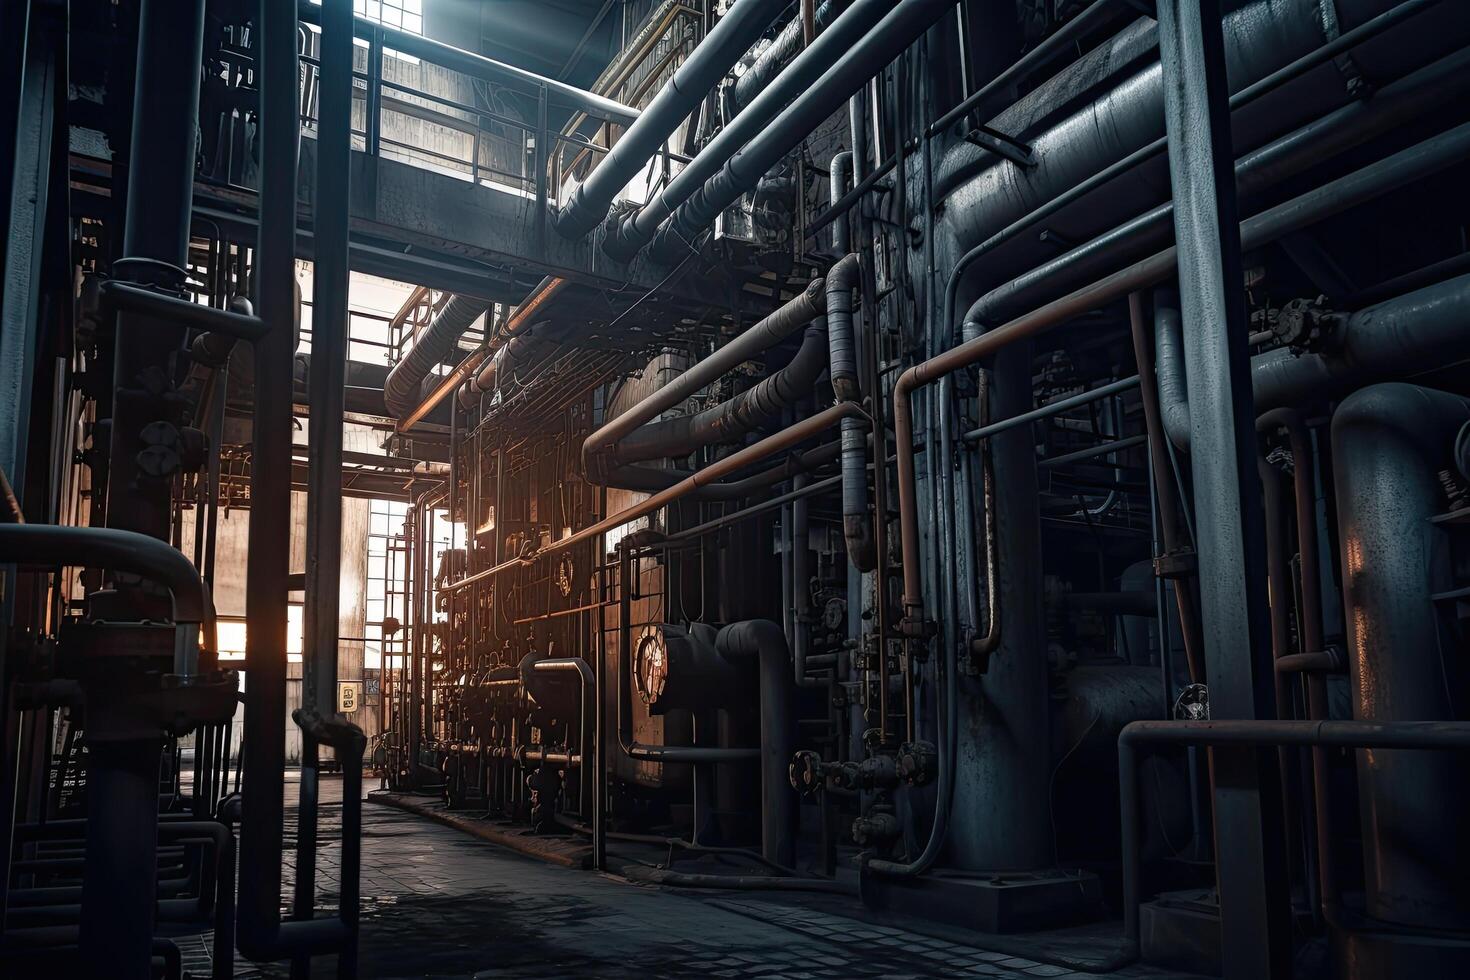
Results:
438 902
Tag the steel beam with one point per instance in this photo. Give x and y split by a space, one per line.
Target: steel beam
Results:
1255 921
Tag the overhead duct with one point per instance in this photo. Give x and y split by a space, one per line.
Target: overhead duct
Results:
721 48
402 390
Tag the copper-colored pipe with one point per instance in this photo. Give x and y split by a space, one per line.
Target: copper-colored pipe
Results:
769 446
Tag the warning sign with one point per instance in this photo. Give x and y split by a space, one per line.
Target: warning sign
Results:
349 695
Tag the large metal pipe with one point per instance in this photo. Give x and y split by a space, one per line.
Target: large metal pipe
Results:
638 228
766 641
897 30
1412 96
706 65
403 389
1086 177
1426 330
1389 443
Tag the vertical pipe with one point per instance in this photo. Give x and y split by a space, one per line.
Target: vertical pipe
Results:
1388 443
1255 939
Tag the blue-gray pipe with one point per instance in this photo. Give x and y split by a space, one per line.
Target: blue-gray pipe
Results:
904 23
638 228
1389 442
1421 331
841 177
720 49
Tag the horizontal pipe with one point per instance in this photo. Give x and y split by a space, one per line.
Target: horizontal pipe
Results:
176 309
769 446
1052 408
1425 735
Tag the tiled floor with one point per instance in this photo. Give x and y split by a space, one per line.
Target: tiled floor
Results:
440 903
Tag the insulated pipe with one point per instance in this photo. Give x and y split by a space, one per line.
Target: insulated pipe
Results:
1260 37
705 66
638 228
1389 443
1346 192
904 23
757 408
840 175
857 522
402 390
1426 330
602 443
766 641
786 46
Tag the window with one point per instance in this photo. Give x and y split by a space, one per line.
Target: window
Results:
406 15
387 575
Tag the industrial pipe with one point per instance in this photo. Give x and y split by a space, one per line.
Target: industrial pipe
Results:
403 389
1339 195
601 444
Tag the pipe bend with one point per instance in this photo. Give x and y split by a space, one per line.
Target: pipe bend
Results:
117 550
1424 418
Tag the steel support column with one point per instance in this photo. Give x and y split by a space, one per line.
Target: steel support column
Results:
1255 924
329 341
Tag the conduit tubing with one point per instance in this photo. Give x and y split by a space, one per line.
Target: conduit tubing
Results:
1378 178
906 22
403 389
638 228
1288 156
706 65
